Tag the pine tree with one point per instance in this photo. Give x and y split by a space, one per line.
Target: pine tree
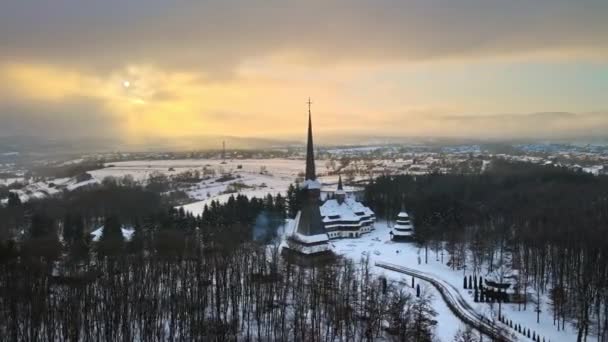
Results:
292 201
269 203
68 228
112 240
42 225
137 239
112 229
78 227
13 200
280 206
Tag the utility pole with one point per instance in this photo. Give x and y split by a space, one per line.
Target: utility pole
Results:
224 152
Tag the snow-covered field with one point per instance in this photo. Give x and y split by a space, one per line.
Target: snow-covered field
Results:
9 181
39 190
378 246
141 169
260 177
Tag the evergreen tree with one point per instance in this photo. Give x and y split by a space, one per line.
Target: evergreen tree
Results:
112 229
78 227
280 206
68 228
13 200
292 200
42 225
268 203
137 239
112 240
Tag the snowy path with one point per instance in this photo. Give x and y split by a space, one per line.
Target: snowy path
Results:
454 300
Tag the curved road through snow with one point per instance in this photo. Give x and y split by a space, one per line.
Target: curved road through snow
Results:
455 302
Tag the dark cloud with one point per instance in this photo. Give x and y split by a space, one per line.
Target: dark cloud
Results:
92 37
76 117
216 36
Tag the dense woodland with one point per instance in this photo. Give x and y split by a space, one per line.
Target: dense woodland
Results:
545 222
183 278
214 277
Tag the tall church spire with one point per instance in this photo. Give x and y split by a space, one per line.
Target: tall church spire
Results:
340 194
310 236
310 153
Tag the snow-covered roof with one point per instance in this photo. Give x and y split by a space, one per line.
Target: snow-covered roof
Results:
310 238
312 184
403 214
348 210
397 232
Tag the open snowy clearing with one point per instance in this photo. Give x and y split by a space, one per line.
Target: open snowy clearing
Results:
39 190
141 169
9 181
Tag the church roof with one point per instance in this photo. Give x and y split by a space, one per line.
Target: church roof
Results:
308 220
340 190
349 210
403 214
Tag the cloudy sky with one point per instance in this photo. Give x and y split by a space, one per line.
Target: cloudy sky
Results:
144 69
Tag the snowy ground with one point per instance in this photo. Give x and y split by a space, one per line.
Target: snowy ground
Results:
378 246
141 169
9 181
39 190
276 177
260 177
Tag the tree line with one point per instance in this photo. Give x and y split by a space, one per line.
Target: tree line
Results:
180 277
546 222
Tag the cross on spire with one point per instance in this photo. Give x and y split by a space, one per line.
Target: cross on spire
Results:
309 103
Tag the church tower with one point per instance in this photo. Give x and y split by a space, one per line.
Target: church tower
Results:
309 236
340 193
